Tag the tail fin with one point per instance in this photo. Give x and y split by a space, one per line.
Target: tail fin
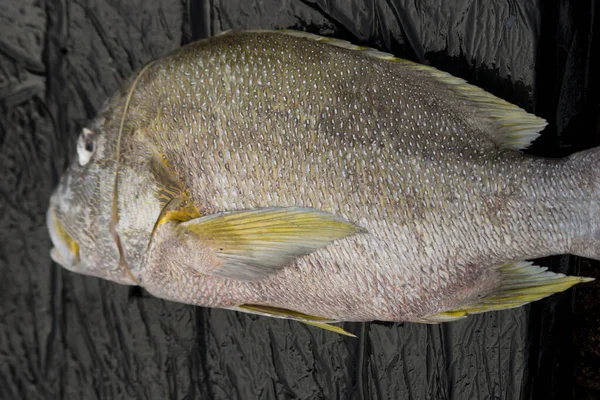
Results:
586 164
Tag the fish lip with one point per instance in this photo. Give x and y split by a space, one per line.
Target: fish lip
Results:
62 252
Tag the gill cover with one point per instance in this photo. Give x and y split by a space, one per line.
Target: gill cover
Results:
115 199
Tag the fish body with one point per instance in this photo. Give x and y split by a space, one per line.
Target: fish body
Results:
297 176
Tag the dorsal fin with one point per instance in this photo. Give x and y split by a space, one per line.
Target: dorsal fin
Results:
522 283
514 128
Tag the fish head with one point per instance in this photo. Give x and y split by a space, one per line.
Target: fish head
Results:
80 213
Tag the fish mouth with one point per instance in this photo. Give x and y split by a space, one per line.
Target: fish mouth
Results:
66 250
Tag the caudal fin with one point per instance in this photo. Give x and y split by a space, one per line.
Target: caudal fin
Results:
586 164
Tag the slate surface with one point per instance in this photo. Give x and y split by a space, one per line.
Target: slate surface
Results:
68 336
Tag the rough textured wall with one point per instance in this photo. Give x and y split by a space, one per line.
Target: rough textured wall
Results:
68 336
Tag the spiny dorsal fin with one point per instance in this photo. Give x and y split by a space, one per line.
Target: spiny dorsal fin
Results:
513 127
277 312
522 283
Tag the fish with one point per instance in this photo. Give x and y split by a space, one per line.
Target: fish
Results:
297 176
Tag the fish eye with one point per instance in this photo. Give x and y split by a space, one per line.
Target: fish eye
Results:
85 147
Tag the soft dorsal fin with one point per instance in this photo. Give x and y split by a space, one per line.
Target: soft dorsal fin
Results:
513 127
522 283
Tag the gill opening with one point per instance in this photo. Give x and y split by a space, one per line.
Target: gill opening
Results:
161 218
115 201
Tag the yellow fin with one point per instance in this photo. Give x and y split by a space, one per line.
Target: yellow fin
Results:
253 244
447 316
511 126
331 328
522 283
276 312
176 203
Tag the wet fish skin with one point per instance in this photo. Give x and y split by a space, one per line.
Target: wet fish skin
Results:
259 120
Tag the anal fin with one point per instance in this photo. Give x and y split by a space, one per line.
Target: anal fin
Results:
522 283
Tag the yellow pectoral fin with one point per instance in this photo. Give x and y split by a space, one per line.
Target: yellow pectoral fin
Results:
522 283
179 209
276 312
254 244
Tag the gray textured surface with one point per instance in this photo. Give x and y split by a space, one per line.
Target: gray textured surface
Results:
67 336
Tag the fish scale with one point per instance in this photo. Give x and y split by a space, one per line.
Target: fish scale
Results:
322 187
276 138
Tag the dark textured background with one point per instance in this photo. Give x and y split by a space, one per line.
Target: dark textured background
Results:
68 336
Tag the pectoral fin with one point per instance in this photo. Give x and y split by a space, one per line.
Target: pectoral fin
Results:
276 312
522 283
253 244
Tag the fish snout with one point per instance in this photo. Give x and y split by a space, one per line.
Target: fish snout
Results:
65 251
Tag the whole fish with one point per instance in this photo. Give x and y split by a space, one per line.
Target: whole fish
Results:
297 176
